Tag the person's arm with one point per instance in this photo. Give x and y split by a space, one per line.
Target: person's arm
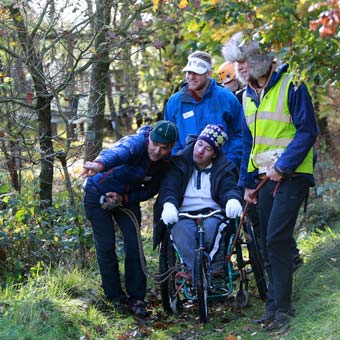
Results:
229 193
121 152
91 169
227 186
246 180
233 120
167 113
169 186
170 115
304 120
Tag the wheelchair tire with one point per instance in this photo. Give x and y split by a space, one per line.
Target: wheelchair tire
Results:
256 260
167 259
242 298
201 285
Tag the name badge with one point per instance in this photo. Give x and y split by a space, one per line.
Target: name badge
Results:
188 114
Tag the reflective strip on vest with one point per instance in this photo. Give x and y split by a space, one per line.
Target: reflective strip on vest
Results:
273 141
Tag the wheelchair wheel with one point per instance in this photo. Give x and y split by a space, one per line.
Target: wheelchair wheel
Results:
167 260
242 298
201 285
255 260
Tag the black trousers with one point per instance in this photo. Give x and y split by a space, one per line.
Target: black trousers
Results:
278 214
105 244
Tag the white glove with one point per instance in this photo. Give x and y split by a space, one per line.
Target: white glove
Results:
169 214
233 208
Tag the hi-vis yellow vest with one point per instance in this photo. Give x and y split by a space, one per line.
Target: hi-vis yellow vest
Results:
272 128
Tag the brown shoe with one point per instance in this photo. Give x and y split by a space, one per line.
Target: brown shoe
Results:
138 308
280 322
266 318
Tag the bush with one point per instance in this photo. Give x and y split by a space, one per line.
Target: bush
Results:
33 238
323 210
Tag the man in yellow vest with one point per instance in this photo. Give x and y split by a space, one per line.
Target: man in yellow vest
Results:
279 132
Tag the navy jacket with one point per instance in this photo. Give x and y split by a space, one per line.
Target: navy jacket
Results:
128 169
173 185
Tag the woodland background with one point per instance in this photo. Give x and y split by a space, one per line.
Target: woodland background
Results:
77 75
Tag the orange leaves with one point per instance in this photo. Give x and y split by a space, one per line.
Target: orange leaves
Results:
230 337
328 21
155 5
183 4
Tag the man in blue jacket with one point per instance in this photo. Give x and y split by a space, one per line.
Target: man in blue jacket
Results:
202 101
117 181
279 132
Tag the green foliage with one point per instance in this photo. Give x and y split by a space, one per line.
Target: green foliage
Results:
317 288
34 238
280 25
323 210
63 304
48 308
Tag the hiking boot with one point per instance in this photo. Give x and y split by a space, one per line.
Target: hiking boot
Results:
280 322
138 308
120 304
266 318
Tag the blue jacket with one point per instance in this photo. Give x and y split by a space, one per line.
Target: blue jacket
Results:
128 169
217 106
303 118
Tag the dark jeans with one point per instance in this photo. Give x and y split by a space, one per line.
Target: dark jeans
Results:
278 216
253 215
105 244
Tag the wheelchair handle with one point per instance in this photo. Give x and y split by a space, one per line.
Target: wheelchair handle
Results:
200 216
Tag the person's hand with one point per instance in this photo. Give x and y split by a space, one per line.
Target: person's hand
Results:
90 169
169 213
233 208
249 196
114 198
273 175
111 200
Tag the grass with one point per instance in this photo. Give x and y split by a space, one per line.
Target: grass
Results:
64 303
317 288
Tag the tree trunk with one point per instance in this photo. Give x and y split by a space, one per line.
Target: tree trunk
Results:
113 111
99 76
8 144
47 152
34 64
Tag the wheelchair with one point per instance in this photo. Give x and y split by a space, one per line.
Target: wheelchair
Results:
242 258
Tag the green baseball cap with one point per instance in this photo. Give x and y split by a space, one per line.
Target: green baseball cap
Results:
164 132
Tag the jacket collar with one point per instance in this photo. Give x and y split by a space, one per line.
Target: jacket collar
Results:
187 97
273 79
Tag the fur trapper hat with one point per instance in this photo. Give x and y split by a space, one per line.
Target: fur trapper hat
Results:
236 49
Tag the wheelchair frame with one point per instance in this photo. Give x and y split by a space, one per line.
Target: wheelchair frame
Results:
176 287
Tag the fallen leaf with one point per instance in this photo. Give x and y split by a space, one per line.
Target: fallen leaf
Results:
230 337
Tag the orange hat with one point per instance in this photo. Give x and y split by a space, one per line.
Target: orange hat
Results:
226 72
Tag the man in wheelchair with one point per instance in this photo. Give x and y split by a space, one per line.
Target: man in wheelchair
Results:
200 179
